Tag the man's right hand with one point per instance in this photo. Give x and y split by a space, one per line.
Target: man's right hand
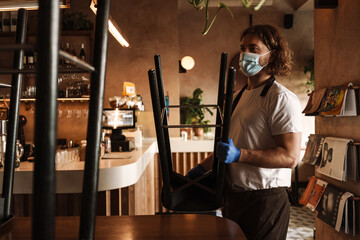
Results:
196 172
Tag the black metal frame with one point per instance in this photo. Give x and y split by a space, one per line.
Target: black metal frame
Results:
43 224
91 172
12 128
181 193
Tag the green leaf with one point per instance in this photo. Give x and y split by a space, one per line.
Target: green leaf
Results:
221 6
259 5
246 3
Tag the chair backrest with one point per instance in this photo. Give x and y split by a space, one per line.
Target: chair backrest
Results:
180 193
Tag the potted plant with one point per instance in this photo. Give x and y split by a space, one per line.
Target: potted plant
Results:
194 115
310 68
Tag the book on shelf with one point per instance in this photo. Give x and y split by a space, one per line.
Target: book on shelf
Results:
328 208
313 149
314 102
337 209
313 193
346 219
334 101
350 217
335 158
353 162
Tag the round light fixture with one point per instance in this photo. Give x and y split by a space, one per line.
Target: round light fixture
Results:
187 62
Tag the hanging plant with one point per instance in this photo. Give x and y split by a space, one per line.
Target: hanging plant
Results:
200 4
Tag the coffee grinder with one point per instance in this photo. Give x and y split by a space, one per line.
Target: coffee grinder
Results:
116 120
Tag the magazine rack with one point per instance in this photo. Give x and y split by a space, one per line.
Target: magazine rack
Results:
180 193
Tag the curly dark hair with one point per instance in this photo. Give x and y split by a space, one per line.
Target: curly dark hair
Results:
281 55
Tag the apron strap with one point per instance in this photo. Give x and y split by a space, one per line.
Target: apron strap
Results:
266 88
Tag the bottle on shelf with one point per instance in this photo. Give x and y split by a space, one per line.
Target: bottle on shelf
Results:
82 54
30 90
72 50
73 53
35 57
61 60
67 49
25 58
30 58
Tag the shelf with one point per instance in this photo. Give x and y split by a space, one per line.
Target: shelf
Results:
62 33
82 99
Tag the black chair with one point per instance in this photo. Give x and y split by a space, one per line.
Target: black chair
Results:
43 219
180 193
13 118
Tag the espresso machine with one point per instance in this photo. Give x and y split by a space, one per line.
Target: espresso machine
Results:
116 120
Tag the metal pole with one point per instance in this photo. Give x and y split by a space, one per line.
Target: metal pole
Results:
91 172
160 138
220 104
13 114
225 132
43 224
160 85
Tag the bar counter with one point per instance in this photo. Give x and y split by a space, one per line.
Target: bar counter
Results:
129 183
122 170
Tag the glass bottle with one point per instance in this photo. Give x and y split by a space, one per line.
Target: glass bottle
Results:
67 49
82 54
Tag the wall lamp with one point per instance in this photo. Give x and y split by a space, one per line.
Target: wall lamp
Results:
14 5
113 28
186 63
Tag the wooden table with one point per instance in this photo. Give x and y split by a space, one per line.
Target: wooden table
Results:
167 227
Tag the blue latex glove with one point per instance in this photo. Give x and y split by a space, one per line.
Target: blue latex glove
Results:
196 171
227 152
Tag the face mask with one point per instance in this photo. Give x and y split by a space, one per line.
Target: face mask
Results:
249 63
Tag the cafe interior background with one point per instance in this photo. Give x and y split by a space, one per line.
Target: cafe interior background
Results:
173 29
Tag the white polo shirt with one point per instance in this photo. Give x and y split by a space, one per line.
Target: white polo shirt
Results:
253 123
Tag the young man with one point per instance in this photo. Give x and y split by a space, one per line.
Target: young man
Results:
264 139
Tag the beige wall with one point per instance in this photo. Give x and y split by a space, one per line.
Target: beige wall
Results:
151 27
173 30
337 60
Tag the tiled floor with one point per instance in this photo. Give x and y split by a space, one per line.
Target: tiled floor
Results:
301 225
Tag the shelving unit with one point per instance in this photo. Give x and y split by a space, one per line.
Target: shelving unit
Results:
82 99
62 33
329 73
